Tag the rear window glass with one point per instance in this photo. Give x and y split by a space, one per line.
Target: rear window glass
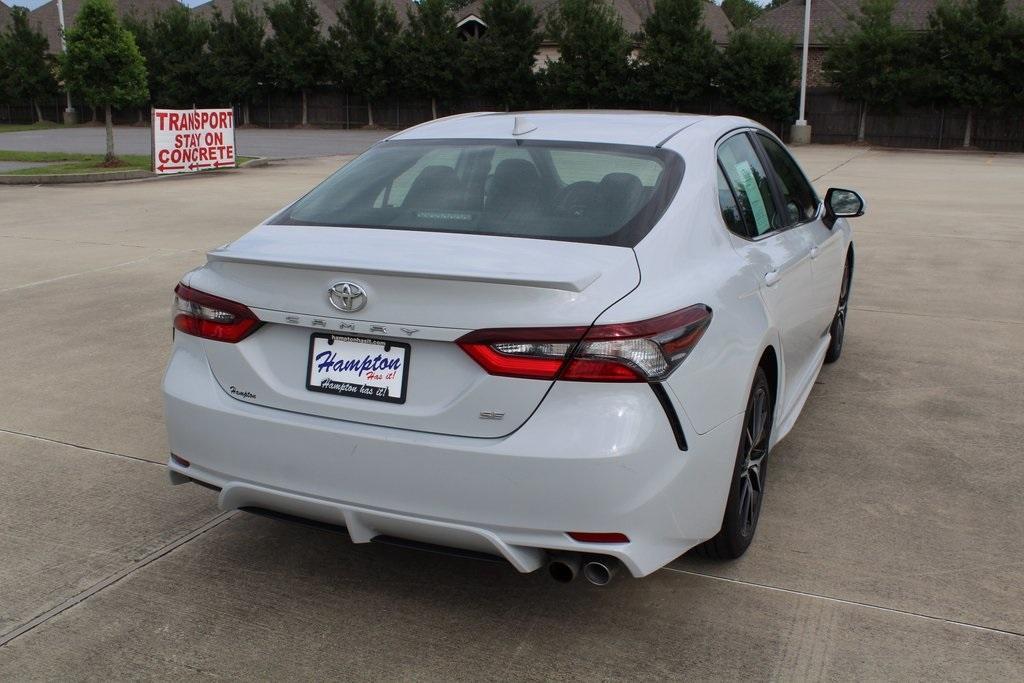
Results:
607 194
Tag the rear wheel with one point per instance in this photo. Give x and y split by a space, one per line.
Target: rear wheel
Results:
746 494
838 328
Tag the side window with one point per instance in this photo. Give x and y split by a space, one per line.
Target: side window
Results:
799 197
730 209
750 184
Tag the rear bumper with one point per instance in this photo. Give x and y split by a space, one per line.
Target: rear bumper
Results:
593 458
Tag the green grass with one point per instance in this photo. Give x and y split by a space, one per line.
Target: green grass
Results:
18 127
67 162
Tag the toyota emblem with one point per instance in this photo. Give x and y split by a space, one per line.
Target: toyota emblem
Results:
347 296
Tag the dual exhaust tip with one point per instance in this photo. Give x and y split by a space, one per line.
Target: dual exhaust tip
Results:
597 569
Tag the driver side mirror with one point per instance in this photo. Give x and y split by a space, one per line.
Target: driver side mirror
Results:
841 203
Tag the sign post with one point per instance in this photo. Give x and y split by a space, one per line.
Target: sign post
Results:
190 140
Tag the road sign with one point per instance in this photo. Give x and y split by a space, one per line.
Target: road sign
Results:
189 140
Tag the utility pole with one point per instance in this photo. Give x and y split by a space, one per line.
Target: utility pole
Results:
70 115
801 133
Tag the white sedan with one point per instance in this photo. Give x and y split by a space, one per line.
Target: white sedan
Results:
569 340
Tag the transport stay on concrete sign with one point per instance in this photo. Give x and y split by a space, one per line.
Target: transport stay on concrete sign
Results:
188 140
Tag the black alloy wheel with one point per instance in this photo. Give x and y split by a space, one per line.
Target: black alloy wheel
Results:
746 494
838 328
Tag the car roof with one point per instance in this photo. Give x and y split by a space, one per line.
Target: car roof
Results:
649 129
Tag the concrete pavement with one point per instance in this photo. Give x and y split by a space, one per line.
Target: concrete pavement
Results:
254 142
888 546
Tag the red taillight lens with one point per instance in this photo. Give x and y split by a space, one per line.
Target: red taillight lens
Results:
532 354
591 537
628 352
211 317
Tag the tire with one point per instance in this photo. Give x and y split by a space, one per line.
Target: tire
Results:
746 492
837 330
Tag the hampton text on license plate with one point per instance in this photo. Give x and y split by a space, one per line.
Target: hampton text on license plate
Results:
374 369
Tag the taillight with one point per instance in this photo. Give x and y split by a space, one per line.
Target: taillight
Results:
211 317
643 351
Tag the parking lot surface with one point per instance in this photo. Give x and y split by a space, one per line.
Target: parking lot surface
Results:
889 545
249 142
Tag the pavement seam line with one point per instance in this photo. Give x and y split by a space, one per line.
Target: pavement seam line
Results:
836 168
94 270
82 242
1000 321
80 447
850 603
92 590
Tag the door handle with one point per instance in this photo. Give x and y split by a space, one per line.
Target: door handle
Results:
814 252
771 277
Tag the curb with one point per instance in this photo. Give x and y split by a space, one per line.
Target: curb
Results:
103 176
108 176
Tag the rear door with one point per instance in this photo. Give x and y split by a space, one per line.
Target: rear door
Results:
803 210
780 257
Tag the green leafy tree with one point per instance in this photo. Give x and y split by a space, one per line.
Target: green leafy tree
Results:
965 56
142 31
176 66
757 73
295 54
235 56
26 68
103 64
432 53
504 57
592 69
678 58
364 49
741 12
871 62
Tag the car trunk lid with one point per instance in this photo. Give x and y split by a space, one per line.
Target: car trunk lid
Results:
423 289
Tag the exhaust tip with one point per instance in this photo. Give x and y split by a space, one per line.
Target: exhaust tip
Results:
563 568
600 572
561 572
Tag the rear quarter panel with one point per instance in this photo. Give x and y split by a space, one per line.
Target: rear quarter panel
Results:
687 260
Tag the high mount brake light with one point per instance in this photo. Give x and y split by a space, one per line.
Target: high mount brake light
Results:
211 317
644 351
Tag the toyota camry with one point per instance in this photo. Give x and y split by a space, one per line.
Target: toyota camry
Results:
569 340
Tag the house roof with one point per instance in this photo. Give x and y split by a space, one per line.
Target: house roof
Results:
633 13
5 15
46 19
326 9
834 16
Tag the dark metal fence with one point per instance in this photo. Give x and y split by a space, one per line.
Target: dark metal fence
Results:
832 119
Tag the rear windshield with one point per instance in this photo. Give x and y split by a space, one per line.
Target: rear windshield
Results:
606 194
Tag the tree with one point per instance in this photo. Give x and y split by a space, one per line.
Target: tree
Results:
504 57
176 65
872 62
103 64
364 49
142 32
678 58
235 56
433 53
295 54
965 56
27 72
592 68
757 73
741 12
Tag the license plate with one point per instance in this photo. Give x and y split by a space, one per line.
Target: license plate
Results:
374 369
